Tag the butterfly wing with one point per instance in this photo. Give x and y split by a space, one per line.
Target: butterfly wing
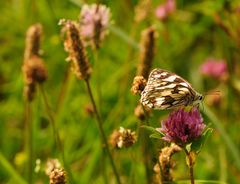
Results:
166 90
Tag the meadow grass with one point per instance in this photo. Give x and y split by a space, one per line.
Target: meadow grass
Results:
196 30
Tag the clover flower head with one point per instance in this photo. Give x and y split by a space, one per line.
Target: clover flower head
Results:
182 127
215 68
165 9
94 20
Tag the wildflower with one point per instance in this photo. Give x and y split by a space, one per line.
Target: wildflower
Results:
215 68
123 138
58 176
182 127
94 21
38 165
164 10
77 54
138 85
166 163
147 49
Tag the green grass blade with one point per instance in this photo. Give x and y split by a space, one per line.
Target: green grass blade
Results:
8 167
227 140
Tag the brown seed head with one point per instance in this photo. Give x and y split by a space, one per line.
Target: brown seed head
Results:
33 38
58 176
122 138
166 162
138 85
51 165
33 68
147 50
77 53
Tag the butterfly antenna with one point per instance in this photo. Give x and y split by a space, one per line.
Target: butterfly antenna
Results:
212 93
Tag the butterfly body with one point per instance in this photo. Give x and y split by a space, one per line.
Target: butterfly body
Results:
166 90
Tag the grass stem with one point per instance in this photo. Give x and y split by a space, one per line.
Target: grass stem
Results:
103 136
29 140
56 134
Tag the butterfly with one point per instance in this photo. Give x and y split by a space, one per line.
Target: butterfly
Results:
167 90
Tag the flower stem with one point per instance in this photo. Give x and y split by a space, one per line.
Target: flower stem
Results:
63 90
190 165
147 148
191 170
56 134
103 136
98 75
29 142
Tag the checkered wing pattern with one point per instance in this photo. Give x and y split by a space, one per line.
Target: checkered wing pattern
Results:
166 90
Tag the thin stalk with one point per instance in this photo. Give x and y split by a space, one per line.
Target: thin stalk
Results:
190 165
56 134
146 148
52 120
29 142
98 75
63 90
191 170
103 136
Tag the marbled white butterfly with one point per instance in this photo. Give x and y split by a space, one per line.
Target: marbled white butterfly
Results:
166 90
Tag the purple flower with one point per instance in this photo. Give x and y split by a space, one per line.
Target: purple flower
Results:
94 20
182 127
214 68
165 9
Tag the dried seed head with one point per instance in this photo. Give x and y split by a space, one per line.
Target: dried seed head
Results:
33 68
58 176
148 44
138 85
122 138
166 162
77 53
51 165
33 38
142 10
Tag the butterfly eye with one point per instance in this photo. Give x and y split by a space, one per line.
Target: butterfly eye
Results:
200 97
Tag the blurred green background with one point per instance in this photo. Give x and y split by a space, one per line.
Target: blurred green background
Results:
196 30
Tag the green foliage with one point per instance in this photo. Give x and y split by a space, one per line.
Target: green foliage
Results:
197 145
196 30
